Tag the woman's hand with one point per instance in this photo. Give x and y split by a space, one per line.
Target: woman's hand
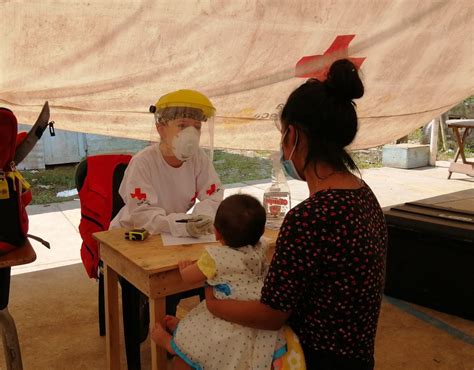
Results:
247 313
210 299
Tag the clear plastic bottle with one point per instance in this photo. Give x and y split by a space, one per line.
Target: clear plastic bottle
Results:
277 199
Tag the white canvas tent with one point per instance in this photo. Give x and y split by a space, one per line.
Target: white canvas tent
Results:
101 63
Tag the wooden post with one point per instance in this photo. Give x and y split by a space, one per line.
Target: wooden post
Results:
10 341
442 124
434 141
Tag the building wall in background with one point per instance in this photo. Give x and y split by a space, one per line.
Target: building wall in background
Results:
71 147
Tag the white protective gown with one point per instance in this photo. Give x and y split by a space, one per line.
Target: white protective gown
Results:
207 342
156 194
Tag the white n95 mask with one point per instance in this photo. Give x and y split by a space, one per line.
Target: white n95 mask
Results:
186 143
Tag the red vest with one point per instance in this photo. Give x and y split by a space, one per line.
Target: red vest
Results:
96 196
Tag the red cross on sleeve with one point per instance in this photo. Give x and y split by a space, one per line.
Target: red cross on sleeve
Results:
138 194
212 189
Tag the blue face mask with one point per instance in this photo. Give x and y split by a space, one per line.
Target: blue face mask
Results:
288 164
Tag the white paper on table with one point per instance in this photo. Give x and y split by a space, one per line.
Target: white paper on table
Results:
169 239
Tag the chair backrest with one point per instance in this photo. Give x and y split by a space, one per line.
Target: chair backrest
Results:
119 171
98 180
80 174
117 201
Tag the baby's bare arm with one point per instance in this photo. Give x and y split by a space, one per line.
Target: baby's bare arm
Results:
190 272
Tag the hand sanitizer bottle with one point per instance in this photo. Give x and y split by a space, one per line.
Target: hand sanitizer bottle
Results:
276 199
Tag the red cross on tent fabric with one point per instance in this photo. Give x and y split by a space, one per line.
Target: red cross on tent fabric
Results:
193 199
211 190
138 194
317 66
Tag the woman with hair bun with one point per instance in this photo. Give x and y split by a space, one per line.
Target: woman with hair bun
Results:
326 278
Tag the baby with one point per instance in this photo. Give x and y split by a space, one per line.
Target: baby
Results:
236 270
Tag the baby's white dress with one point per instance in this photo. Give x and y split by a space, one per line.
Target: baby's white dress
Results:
210 343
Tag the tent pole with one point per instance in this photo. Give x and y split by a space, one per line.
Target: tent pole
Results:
434 141
442 123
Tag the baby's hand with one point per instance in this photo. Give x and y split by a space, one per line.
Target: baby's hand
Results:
155 332
183 264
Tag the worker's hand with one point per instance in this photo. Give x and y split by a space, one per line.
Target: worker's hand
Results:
200 225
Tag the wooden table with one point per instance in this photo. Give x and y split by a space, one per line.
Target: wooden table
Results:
457 125
153 269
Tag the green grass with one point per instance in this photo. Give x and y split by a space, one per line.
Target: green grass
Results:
416 136
45 184
449 155
233 167
367 158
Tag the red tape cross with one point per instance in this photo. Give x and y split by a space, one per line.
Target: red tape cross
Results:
317 66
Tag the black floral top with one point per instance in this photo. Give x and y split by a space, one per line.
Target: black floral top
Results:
329 269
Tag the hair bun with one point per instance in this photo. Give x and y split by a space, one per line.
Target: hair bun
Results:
343 80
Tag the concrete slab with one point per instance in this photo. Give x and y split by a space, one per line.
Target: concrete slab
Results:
58 224
405 342
405 155
394 186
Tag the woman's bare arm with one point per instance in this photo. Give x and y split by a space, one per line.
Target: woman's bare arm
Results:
253 314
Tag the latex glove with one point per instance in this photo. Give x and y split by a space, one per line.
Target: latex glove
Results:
200 225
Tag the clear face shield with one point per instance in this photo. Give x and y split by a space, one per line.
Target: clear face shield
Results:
183 130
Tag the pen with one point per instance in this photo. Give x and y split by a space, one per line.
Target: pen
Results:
185 221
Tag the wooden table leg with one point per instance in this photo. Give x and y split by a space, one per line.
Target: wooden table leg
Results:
10 341
157 312
456 156
461 142
464 167
112 318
